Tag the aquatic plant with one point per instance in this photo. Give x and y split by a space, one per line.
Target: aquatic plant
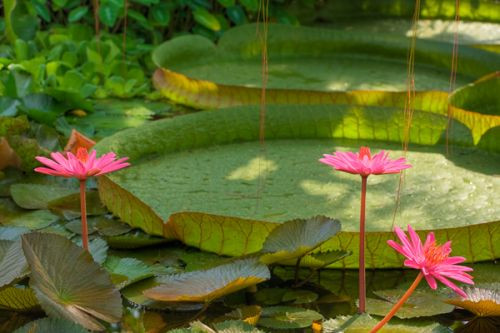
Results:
364 164
81 166
434 263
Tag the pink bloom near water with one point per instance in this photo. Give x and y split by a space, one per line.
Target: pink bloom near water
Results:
364 164
82 165
432 260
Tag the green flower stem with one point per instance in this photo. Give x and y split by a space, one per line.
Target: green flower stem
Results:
83 210
399 304
362 238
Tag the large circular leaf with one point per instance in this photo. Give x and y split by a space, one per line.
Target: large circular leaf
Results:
68 283
206 176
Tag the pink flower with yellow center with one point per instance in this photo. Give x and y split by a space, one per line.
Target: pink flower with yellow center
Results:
81 166
432 260
363 163
434 263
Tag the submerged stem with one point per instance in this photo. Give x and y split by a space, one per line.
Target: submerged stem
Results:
362 275
399 304
83 210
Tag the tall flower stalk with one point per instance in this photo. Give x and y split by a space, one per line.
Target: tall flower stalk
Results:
81 166
364 164
434 263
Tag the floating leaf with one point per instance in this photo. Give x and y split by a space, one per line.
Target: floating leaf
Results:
68 283
270 296
332 66
476 105
75 226
480 324
446 194
69 206
483 302
364 323
12 233
37 196
296 238
37 219
98 248
236 326
126 271
249 314
18 299
300 296
51 325
110 227
420 304
205 286
323 259
286 317
13 264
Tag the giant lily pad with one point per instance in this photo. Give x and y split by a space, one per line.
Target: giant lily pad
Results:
205 286
68 283
204 179
307 63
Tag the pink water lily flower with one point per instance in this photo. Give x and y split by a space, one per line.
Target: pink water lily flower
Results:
432 260
81 166
363 163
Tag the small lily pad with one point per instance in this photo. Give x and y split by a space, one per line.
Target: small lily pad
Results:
300 296
18 299
420 304
38 196
296 238
75 226
270 296
13 264
287 317
250 314
207 285
34 220
236 326
51 325
69 206
364 323
110 227
68 283
131 269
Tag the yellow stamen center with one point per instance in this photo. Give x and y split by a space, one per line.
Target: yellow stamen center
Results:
436 254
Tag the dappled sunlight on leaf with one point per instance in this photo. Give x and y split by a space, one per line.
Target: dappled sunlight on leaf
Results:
285 317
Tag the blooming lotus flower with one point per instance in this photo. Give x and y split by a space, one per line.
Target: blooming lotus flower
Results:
364 164
434 263
81 166
432 260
